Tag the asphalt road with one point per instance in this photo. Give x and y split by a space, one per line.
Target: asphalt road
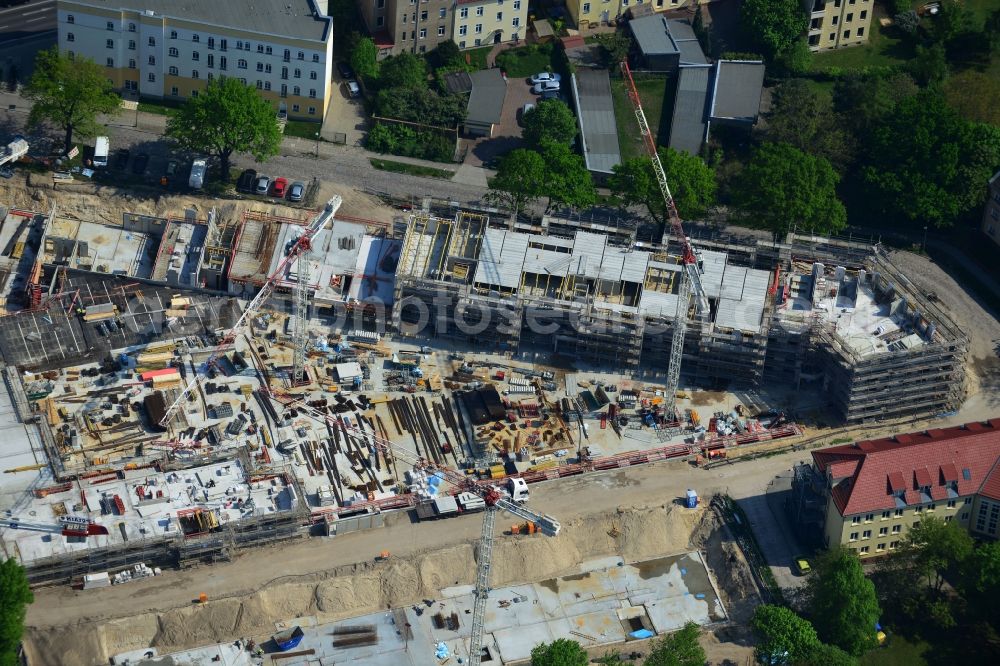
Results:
21 21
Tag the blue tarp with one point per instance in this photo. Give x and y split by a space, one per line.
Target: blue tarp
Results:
641 633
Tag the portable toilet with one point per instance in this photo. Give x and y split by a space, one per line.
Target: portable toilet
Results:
692 499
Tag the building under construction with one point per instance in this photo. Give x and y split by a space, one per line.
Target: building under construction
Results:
853 328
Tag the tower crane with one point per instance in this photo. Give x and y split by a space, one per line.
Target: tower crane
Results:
294 253
68 526
492 495
691 275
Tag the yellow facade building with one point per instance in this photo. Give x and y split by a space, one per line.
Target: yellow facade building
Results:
838 23
162 50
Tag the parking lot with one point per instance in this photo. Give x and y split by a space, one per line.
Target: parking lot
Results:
507 135
345 114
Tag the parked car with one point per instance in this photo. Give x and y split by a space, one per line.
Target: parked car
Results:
279 187
545 77
345 70
263 184
353 88
551 94
524 110
545 86
296 191
121 158
139 165
246 181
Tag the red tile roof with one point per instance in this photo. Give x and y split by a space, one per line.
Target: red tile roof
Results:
865 474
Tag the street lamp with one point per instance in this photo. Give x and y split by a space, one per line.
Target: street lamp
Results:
317 145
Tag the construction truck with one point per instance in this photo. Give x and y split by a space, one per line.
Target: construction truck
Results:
466 502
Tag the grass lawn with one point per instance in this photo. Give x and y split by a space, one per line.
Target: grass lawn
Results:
477 57
898 652
885 46
982 8
525 60
158 109
412 169
303 129
651 92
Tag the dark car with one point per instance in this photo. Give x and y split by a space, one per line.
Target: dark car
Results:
345 70
246 181
139 166
121 159
296 191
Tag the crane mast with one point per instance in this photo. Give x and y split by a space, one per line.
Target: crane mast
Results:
300 336
298 248
690 279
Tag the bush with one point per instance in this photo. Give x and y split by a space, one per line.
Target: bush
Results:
410 142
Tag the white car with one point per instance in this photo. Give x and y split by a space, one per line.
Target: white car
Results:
543 77
545 86
353 89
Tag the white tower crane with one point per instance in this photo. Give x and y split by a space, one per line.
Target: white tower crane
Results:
691 276
300 247
492 495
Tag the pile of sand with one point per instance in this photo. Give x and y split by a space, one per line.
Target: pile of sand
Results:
632 533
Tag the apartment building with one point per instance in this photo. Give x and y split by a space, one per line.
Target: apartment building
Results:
160 49
419 26
592 13
838 23
991 211
875 491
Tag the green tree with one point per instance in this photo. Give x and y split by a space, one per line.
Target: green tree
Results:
925 163
561 652
803 118
227 117
796 59
15 595
842 602
550 120
774 25
421 105
783 188
567 180
929 64
364 59
70 93
446 54
519 181
403 71
680 648
614 46
782 636
935 548
865 101
953 19
822 654
692 183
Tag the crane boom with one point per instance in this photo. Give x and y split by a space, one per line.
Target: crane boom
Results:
690 282
68 526
300 247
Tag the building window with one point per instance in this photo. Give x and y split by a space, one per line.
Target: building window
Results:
499 16
463 13
151 77
223 45
864 14
952 504
239 44
850 17
932 507
297 73
152 41
241 64
847 34
516 22
869 517
195 56
898 513
267 69
893 545
461 44
194 93
131 45
287 55
260 48
918 509
260 84
312 110
172 70
295 108
479 28
517 4
173 34
267 85
882 531
855 520
442 12
284 90
462 29
423 16
211 42
296 91
174 91
312 75
315 57
110 62
423 33
172 52
440 31
110 43
879 547
854 536
479 42
222 62
896 529
151 60
312 93
70 18
947 519
194 73
131 63
284 73
964 516
867 534
864 550
260 67
301 55
968 501
885 515
404 36
195 38
110 25
479 11
211 60
70 37
861 32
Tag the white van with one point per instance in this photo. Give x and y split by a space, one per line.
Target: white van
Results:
198 169
102 147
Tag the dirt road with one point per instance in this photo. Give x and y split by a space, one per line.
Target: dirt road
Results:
566 500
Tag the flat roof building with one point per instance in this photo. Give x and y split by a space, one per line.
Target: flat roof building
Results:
489 89
596 118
